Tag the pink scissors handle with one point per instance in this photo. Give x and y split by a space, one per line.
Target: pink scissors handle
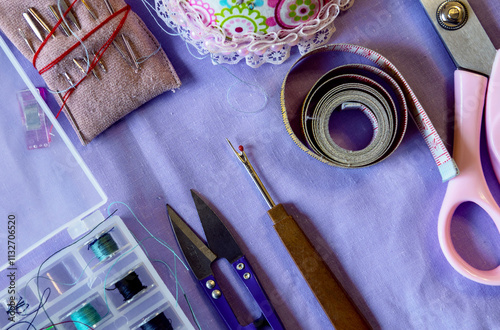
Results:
470 185
493 116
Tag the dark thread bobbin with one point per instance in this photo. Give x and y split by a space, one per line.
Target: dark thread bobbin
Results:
129 286
159 322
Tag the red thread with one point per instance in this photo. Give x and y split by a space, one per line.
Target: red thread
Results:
58 59
97 56
52 32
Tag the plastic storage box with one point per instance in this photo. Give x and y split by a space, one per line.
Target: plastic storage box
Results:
49 200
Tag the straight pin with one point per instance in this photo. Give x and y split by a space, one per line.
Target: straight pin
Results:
40 21
26 40
63 25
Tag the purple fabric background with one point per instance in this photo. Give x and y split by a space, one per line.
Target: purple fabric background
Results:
376 227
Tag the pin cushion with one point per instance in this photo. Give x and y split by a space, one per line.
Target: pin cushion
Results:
259 31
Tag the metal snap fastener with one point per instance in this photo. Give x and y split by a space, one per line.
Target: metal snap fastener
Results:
452 15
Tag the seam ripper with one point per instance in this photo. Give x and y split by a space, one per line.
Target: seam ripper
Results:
335 302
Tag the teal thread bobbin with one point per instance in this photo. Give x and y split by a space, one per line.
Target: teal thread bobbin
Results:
86 317
104 247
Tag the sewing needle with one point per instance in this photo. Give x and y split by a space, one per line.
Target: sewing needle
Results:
33 26
26 40
39 19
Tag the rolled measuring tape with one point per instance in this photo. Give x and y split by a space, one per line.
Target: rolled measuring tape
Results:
376 88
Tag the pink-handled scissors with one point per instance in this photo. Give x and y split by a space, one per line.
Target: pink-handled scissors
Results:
476 59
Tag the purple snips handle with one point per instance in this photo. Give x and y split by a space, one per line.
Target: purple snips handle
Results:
220 303
244 271
248 277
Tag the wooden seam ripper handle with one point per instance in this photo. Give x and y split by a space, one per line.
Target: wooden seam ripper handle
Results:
342 312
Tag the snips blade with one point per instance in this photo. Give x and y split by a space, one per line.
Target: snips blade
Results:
219 239
197 254
462 33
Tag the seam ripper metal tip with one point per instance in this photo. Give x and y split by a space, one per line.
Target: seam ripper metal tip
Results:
244 160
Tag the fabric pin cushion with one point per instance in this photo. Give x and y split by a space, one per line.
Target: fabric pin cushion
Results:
259 31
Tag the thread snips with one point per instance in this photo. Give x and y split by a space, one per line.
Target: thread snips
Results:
221 244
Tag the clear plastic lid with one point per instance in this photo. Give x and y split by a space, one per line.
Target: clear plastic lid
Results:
45 187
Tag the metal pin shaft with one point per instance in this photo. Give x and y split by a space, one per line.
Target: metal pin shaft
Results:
244 160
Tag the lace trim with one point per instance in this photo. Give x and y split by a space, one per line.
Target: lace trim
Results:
256 49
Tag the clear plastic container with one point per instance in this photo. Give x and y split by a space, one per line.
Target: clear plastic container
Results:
48 194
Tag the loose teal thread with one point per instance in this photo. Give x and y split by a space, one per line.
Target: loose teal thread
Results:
158 240
144 59
150 7
183 293
111 267
174 273
150 234
188 45
192 312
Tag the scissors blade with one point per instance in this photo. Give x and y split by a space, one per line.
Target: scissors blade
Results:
469 46
219 239
196 253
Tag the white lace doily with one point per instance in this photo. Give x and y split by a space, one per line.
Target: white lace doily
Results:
196 22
